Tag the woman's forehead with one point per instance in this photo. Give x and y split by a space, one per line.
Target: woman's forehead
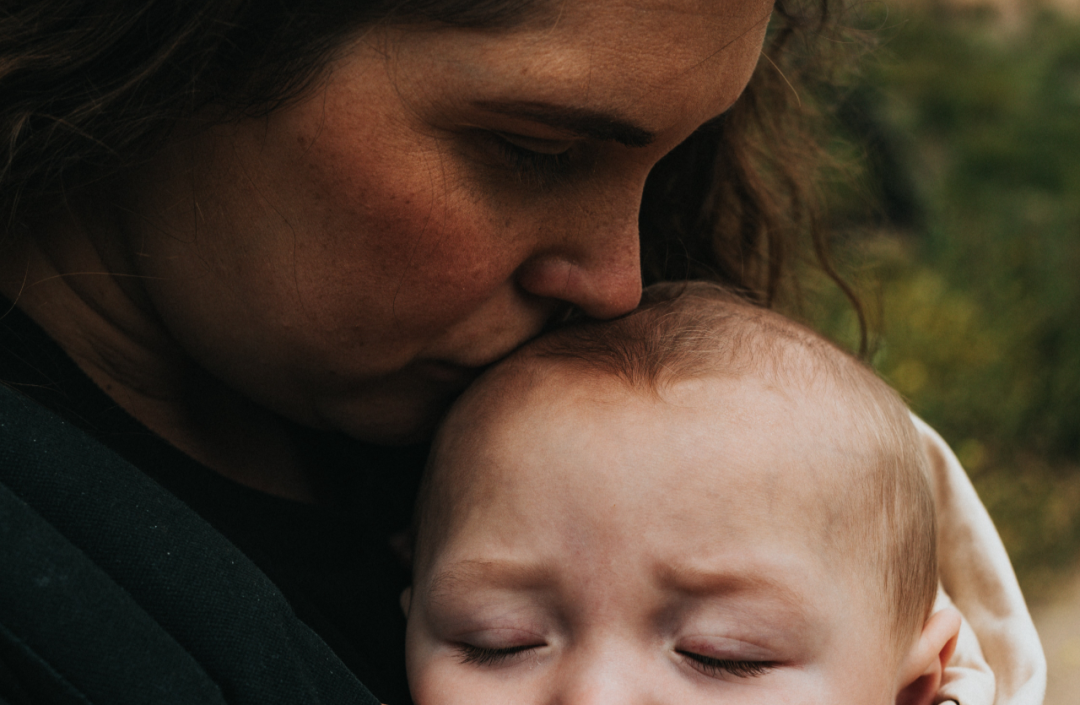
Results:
621 56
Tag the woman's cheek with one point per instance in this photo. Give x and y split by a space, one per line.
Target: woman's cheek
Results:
412 245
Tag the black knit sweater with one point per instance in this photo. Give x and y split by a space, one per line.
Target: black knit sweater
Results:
131 573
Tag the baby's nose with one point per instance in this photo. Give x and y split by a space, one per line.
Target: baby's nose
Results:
609 677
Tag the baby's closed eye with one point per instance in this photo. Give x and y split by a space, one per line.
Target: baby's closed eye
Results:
492 655
723 668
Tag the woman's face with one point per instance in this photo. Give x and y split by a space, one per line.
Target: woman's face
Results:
352 259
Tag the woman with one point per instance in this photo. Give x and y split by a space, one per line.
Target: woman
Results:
236 231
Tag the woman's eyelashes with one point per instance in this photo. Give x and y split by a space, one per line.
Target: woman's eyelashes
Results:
719 667
536 162
490 656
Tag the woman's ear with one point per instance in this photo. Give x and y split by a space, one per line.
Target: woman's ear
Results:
922 670
406 600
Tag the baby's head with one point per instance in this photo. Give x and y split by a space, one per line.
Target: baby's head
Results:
699 502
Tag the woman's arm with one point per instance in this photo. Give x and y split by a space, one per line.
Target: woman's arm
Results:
977 576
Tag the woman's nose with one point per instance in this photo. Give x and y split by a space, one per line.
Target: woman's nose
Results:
600 273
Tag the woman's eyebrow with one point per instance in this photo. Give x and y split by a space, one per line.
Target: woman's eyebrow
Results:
578 121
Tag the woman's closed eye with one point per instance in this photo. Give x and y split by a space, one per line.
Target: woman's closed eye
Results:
490 656
719 667
537 162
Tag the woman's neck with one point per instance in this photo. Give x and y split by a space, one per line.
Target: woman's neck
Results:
74 282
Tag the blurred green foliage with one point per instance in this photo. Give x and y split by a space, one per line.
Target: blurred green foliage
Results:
969 137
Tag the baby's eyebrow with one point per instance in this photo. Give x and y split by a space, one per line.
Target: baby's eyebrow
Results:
694 580
494 573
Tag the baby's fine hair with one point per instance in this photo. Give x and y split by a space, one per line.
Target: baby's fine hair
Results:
696 330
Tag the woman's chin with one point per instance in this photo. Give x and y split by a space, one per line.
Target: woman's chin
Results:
391 418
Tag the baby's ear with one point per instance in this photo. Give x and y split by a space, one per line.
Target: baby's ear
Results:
406 600
921 671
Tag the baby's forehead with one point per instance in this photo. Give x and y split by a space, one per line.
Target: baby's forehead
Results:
571 459
700 434
775 436
542 390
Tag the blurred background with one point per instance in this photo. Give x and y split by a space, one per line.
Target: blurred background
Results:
958 217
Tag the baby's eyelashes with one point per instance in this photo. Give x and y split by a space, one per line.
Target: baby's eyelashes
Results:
728 657
491 656
726 668
495 645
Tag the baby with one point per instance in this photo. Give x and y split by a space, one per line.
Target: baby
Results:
702 502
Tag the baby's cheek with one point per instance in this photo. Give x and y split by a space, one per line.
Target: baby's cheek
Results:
439 675
443 680
432 672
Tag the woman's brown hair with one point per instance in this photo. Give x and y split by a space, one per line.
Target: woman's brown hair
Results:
90 87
